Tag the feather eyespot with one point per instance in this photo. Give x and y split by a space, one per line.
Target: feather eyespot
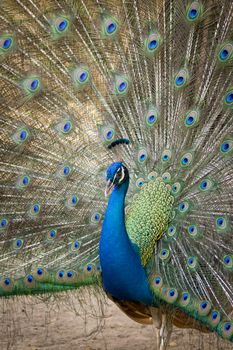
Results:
21 135
64 127
151 116
166 177
181 78
60 25
80 76
172 232
227 329
186 160
30 278
226 147
192 14
151 119
64 171
72 201
69 274
193 231
89 268
152 176
121 85
166 155
214 317
176 189
61 274
34 210
40 272
164 254
225 52
7 281
96 217
107 133
23 181
6 42
51 235
142 156
191 119
194 11
183 207
18 244
140 182
75 246
228 262
171 295
158 281
3 223
152 43
110 27
31 85
192 262
185 298
221 223
206 185
204 308
228 98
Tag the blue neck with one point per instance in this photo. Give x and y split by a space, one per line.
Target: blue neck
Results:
122 272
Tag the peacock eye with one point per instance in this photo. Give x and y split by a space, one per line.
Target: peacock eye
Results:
120 173
119 176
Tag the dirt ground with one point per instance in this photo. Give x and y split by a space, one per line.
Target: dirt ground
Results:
34 326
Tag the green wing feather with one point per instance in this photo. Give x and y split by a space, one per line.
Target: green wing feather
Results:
30 285
148 216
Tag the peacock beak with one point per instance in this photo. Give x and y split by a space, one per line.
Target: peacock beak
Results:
109 187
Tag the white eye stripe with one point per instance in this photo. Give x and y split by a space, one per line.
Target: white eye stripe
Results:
122 175
117 173
114 178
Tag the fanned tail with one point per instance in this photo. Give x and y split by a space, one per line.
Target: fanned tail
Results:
89 82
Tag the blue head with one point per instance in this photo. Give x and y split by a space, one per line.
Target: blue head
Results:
116 175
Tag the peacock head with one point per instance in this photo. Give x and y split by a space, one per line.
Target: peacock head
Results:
116 175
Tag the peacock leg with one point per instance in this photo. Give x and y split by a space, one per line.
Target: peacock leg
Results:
157 322
163 328
165 331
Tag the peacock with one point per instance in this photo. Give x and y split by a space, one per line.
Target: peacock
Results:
135 97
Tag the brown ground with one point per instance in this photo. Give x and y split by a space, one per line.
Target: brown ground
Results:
39 326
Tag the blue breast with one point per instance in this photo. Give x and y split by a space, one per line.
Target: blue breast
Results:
122 272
